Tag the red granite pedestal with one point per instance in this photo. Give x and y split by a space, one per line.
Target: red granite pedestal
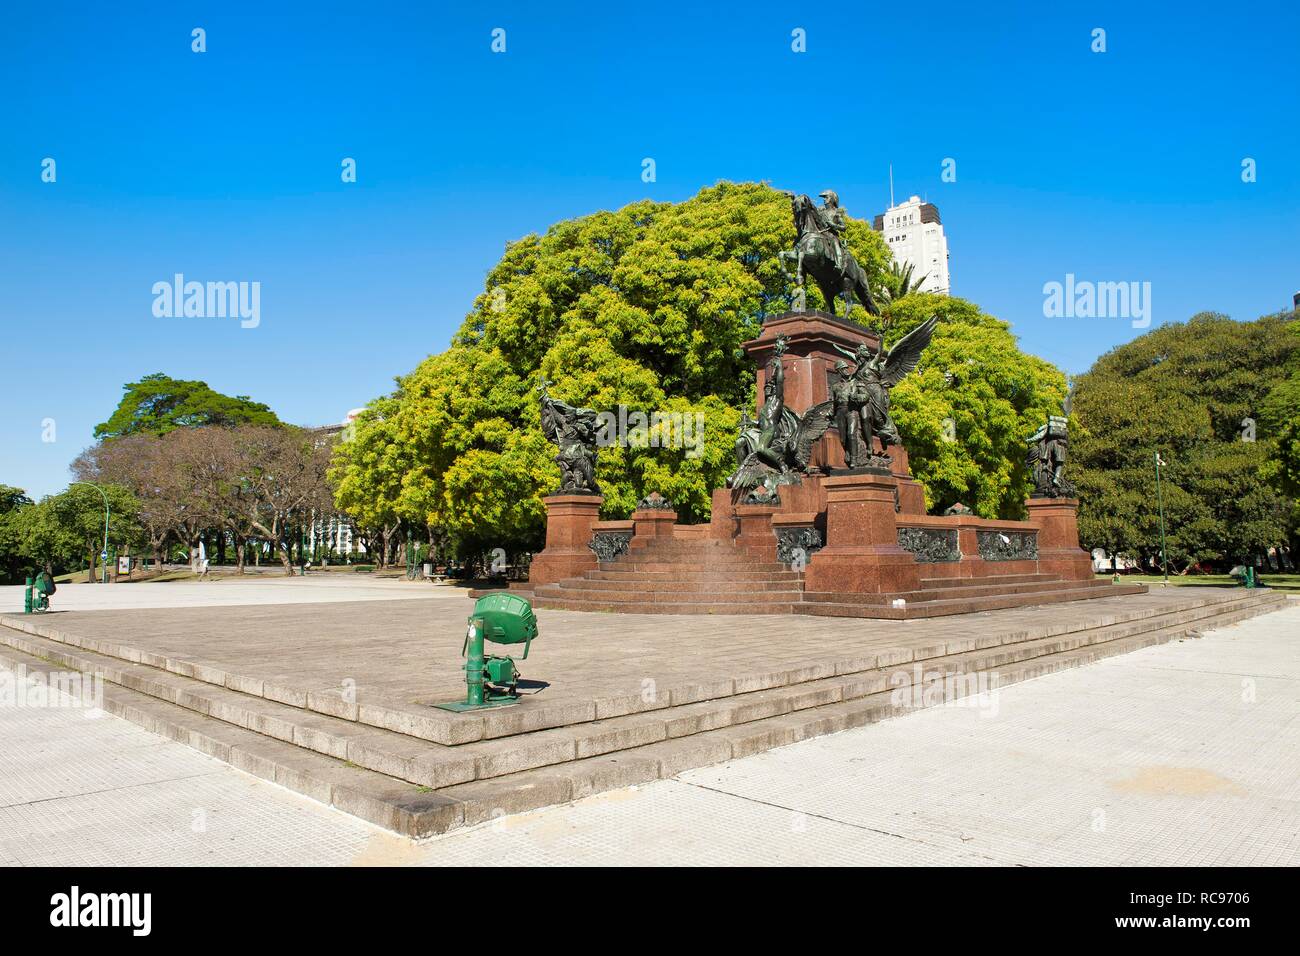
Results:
650 523
862 553
569 522
754 530
1058 538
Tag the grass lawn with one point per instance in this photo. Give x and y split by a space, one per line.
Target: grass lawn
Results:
1280 582
79 577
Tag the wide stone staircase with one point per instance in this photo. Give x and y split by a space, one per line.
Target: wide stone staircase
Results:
679 576
697 575
426 771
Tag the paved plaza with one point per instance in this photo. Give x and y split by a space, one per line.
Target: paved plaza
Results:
228 590
1186 753
402 657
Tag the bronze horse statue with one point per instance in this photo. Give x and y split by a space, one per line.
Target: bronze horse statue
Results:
820 252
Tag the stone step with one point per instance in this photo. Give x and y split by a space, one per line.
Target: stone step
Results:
394 804
408 753
943 582
659 597
956 592
395 754
702 567
613 573
533 789
677 545
160 675
940 608
648 606
677 553
759 721
682 585
576 591
891 669
727 562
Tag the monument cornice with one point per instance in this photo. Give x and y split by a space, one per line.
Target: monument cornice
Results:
806 332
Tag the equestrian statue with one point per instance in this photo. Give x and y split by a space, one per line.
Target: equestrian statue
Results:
819 251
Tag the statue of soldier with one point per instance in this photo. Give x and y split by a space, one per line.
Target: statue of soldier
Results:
845 393
774 419
573 431
832 217
1046 459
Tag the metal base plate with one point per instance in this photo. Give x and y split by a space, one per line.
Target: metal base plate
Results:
460 706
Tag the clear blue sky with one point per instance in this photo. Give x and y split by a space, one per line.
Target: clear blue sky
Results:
1122 166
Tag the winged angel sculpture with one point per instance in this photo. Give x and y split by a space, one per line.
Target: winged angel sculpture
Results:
776 449
861 397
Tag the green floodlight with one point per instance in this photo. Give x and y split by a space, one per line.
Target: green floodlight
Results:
492 680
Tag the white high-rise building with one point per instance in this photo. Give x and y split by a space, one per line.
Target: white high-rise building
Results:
914 235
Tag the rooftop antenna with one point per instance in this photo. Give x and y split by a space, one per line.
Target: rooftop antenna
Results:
891 185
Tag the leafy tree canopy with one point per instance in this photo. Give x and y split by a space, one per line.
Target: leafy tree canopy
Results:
1279 420
67 529
12 558
11 499
1210 396
158 403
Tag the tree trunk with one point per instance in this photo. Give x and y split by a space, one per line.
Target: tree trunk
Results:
239 554
90 572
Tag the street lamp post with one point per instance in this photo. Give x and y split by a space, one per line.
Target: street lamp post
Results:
1164 559
103 554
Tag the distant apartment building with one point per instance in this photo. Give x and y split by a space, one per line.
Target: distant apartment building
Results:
914 235
334 533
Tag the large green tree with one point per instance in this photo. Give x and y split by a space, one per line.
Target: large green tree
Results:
158 403
13 561
1202 394
1279 423
65 531
646 308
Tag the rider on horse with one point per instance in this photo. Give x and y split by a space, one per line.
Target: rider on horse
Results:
831 219
820 252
